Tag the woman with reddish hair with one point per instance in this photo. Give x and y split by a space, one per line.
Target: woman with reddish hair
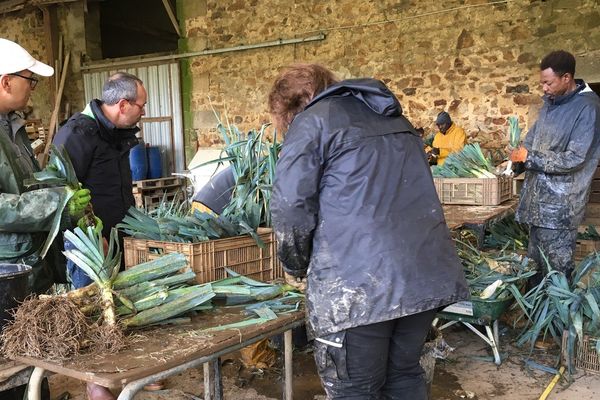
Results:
355 211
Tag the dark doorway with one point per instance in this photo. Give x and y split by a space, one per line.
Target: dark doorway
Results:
136 27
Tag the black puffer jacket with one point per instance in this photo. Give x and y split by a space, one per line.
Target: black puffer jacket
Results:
355 208
100 155
563 153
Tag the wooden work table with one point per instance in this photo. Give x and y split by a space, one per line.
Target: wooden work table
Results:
159 352
477 218
13 374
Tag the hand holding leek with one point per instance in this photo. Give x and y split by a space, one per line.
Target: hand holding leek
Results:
518 155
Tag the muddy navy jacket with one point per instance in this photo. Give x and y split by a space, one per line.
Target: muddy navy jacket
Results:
100 155
563 153
354 208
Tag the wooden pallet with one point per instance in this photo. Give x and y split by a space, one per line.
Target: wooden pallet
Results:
160 183
152 201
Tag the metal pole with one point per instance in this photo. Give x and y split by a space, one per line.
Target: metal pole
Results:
288 350
278 42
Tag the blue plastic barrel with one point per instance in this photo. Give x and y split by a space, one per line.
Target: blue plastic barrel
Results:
154 162
138 162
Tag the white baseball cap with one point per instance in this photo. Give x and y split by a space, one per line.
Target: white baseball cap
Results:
14 58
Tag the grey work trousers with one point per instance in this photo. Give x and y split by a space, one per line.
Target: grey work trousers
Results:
557 245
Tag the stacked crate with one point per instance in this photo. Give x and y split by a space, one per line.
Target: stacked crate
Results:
150 192
209 259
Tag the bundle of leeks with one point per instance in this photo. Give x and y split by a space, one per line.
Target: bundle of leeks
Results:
147 293
59 173
514 137
252 159
175 223
559 304
493 275
155 291
467 163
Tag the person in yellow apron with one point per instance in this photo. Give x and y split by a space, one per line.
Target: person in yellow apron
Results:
451 138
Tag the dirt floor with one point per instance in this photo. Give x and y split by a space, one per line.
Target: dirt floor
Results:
467 373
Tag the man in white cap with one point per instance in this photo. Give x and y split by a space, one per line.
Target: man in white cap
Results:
26 215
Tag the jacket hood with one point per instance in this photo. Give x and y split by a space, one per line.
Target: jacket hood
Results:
581 87
117 137
371 92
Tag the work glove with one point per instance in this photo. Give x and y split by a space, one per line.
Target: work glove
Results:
83 224
518 155
77 204
298 283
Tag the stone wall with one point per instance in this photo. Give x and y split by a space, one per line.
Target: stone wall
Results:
27 29
473 58
476 59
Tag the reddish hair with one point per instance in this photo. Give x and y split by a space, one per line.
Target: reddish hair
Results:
294 88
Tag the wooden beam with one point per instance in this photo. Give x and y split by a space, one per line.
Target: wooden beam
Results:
12 5
50 31
54 118
172 16
8 6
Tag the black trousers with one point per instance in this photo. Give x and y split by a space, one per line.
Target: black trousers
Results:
378 361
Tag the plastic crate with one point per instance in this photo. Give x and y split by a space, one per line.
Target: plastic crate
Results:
474 191
586 356
584 247
209 259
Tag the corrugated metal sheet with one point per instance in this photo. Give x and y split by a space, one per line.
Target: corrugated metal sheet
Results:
163 108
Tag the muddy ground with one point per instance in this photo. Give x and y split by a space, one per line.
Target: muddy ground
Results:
467 373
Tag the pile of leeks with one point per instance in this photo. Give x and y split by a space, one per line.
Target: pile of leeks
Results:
155 292
493 274
560 304
470 162
252 159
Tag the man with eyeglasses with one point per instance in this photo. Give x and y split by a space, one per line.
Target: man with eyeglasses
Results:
98 140
561 152
26 215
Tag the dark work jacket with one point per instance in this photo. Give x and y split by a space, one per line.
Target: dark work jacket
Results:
354 208
100 155
563 153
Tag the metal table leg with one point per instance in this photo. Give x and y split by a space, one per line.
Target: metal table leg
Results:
208 394
288 350
218 383
34 388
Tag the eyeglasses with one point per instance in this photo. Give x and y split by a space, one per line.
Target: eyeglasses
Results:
141 106
32 81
